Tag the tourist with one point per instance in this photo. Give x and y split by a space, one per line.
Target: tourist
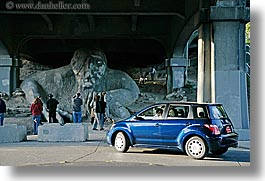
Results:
103 106
77 112
97 109
36 110
51 108
92 109
2 111
152 73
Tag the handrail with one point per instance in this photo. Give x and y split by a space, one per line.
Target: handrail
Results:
248 70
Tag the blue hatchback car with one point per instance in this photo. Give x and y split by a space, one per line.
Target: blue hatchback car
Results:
194 128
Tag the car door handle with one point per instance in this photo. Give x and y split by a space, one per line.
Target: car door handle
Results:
158 124
188 123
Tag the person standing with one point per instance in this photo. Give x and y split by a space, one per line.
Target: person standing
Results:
97 109
103 107
152 72
51 108
36 109
77 112
92 109
40 101
2 111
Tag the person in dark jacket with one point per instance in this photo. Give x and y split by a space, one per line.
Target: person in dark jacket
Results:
2 111
51 108
103 107
77 112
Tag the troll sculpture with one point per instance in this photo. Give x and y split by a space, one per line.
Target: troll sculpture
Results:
88 74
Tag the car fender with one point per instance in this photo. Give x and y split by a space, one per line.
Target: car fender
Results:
126 130
188 132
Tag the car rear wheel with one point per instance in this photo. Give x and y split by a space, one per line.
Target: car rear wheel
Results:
196 148
121 142
220 151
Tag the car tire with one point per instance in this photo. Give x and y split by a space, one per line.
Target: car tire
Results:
196 148
220 151
121 142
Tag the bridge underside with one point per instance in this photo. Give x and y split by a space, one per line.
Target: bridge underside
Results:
130 32
139 33
119 52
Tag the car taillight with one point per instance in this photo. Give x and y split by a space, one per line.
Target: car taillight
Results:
213 128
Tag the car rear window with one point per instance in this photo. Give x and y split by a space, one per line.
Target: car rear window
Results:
217 112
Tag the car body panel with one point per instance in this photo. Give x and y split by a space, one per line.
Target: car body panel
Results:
144 129
172 129
147 132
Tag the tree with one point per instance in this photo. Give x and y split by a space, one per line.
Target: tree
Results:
247 32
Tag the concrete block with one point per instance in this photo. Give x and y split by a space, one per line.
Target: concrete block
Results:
10 133
244 134
70 132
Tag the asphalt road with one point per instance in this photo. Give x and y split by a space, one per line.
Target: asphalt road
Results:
96 152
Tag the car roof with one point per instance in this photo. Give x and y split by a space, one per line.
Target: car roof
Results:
186 103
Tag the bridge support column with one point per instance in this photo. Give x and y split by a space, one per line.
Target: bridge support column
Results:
229 56
205 88
176 68
9 71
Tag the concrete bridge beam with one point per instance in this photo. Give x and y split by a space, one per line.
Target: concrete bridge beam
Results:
229 56
206 81
9 71
176 70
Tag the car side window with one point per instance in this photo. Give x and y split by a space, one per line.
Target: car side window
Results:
155 112
176 111
200 112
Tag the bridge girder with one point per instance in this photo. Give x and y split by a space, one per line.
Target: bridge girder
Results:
128 21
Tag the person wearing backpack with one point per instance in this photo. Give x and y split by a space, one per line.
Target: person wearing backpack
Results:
2 111
36 110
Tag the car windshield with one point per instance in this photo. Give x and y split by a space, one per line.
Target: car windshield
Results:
217 112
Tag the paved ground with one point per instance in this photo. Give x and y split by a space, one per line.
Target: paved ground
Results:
96 136
96 152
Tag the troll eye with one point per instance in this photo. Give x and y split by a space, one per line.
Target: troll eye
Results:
99 62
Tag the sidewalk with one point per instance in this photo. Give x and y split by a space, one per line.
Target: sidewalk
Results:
244 144
97 136
93 135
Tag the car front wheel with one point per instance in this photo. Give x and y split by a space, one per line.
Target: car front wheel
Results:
196 148
121 142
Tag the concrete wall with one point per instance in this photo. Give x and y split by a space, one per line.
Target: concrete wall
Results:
228 21
231 91
54 132
5 74
9 70
13 133
176 68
